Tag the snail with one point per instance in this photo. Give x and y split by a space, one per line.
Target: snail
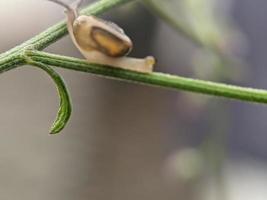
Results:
102 42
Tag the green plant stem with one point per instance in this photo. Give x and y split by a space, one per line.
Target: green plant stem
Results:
27 53
16 57
157 79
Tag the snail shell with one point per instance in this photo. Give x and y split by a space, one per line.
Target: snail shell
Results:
92 33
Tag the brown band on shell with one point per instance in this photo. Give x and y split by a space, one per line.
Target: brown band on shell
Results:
110 44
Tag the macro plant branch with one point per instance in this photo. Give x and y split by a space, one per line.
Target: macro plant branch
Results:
29 53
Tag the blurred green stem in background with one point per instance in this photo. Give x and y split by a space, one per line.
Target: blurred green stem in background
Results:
156 7
29 53
185 30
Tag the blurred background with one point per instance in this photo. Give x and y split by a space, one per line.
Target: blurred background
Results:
128 141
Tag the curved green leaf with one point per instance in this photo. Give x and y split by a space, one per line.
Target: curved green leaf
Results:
65 107
197 19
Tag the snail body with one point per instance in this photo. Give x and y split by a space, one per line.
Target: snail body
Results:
103 42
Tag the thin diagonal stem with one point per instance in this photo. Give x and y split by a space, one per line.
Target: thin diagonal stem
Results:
156 79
